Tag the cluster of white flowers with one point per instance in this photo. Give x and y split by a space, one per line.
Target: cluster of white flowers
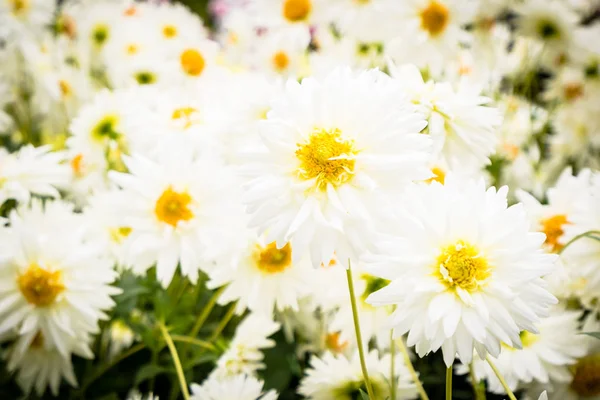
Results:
436 159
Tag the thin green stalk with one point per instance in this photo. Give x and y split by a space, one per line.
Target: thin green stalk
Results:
200 343
449 383
588 234
412 371
105 367
392 366
206 312
176 362
509 392
361 351
224 321
478 389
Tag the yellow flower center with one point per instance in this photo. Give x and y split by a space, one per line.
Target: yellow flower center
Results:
100 34
439 176
553 228
461 265
327 157
18 6
528 338
120 233
185 116
169 31
39 286
280 61
334 344
192 62
573 91
172 207
77 165
296 10
65 88
434 18
106 128
132 49
272 260
145 77
586 378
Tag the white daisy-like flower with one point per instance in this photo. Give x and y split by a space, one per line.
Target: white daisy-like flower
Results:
174 21
26 16
544 357
54 282
281 53
462 126
431 30
182 210
263 278
244 354
298 14
335 377
465 270
194 61
236 387
31 171
335 149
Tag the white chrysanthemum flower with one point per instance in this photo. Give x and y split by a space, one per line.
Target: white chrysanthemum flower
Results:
465 270
174 22
26 16
236 387
462 127
244 354
38 367
194 61
182 210
431 30
54 282
339 378
297 14
562 199
263 278
545 357
336 149
281 53
31 170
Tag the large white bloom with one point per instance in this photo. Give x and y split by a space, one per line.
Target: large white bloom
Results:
181 210
335 148
53 281
236 387
465 270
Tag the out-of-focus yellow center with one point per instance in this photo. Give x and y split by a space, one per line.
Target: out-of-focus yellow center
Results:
326 157
528 338
100 34
461 265
185 116
130 11
39 286
271 260
586 376
106 128
438 175
169 31
434 18
172 207
145 77
192 62
573 91
553 228
65 88
77 165
18 6
334 344
132 49
120 233
280 61
296 10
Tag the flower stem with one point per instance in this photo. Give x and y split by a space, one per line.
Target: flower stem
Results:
361 350
223 323
200 343
176 362
478 389
449 383
588 234
412 371
509 392
206 312
392 366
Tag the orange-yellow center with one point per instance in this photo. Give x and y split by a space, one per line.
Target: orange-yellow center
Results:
461 265
280 61
172 207
185 116
192 62
434 18
553 228
39 286
296 10
169 31
18 6
333 342
271 260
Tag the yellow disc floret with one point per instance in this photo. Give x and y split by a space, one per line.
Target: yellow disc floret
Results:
39 286
326 157
172 207
462 265
169 31
296 10
280 61
192 62
553 228
434 18
271 260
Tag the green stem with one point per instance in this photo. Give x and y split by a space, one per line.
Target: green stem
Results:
359 342
412 370
105 367
589 234
206 312
478 389
509 392
224 321
176 362
449 383
392 366
191 340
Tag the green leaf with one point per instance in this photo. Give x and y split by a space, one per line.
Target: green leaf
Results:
593 334
148 371
363 395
